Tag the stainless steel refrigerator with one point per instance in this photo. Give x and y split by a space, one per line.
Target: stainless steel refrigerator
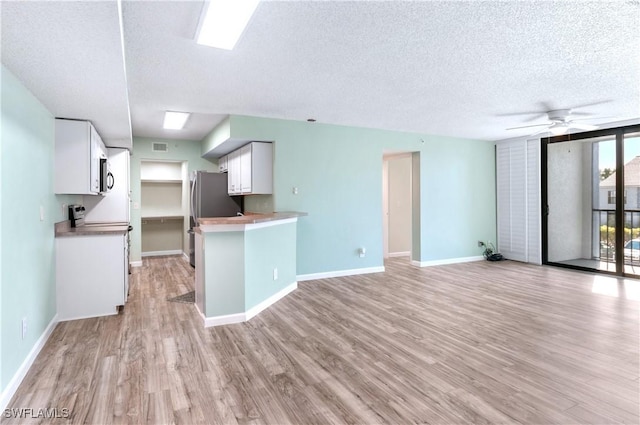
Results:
209 198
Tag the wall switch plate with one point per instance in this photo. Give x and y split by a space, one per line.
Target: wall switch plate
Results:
275 273
24 327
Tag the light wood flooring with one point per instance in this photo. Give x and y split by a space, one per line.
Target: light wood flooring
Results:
473 343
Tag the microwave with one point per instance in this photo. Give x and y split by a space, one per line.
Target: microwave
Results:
106 177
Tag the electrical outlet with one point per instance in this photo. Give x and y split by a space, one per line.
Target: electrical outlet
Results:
295 190
275 273
24 327
362 252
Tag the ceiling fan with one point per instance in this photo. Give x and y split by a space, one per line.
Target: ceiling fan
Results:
561 121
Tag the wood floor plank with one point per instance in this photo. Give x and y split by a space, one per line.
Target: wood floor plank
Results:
477 343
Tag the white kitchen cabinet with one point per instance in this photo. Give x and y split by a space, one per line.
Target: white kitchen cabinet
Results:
114 205
245 169
250 169
222 164
78 149
233 180
92 275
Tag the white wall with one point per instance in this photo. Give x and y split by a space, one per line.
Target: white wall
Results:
569 197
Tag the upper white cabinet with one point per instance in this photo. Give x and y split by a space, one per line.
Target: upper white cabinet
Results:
250 169
78 151
233 167
246 169
222 164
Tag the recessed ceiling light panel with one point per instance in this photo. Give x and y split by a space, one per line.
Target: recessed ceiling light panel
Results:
175 120
223 22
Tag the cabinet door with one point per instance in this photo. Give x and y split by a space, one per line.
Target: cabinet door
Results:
222 164
245 169
230 173
234 172
96 152
89 275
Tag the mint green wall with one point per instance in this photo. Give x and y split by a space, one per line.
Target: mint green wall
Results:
179 150
338 173
239 267
220 133
224 273
27 249
265 249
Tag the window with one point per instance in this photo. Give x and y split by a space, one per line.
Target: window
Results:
611 197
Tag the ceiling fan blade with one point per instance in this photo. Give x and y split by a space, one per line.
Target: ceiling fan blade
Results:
586 105
582 114
582 126
535 115
593 118
544 130
529 126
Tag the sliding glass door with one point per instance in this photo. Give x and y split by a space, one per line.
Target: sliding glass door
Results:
591 201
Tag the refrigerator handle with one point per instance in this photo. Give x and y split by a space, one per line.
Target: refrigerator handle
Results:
193 189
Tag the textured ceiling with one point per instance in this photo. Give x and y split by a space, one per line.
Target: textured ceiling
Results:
445 68
69 55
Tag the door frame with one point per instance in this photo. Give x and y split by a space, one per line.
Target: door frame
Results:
619 133
386 196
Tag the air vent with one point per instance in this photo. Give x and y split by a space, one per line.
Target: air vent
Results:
160 147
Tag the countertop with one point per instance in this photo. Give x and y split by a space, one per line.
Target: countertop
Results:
64 228
249 218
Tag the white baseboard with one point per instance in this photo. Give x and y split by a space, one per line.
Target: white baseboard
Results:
14 383
400 254
446 261
252 312
339 273
228 319
159 253
185 255
136 263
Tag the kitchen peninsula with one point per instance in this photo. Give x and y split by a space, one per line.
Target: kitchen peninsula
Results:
244 264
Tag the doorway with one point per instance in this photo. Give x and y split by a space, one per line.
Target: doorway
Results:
164 207
397 204
591 194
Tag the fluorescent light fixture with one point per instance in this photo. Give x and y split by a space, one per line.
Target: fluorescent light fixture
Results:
224 21
175 120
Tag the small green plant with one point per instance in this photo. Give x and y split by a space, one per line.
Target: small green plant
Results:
490 252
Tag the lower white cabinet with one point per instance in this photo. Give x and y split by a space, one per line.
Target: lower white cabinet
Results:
92 275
